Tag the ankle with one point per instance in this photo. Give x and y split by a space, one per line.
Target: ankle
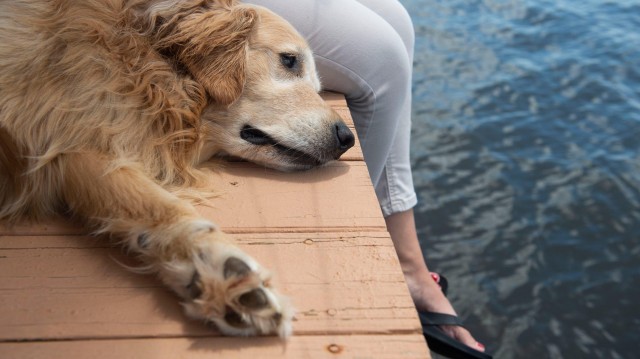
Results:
427 294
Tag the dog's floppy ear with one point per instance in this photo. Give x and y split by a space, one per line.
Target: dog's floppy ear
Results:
212 44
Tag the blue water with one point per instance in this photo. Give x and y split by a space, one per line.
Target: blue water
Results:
526 155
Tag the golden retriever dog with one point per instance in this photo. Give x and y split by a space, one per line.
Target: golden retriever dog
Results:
108 107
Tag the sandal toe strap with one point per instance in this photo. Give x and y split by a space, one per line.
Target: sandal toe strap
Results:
437 319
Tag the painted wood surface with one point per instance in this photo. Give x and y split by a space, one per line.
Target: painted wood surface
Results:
64 294
323 347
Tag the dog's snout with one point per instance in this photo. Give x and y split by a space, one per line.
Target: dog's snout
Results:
344 136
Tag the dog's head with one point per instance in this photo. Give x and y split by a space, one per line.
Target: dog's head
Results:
261 77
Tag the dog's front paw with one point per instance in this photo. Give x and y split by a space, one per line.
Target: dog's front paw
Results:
224 286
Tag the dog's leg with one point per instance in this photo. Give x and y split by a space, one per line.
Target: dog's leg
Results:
217 281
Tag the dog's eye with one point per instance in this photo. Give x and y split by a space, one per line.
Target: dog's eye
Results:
289 61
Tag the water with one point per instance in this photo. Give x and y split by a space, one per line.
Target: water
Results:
526 161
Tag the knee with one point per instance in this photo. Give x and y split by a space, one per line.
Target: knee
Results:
384 62
397 16
366 56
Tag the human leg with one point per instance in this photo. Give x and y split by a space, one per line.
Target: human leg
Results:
372 67
425 292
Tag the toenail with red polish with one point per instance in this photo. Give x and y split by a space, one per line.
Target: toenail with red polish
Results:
436 277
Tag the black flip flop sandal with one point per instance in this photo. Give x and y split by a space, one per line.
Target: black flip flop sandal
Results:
443 344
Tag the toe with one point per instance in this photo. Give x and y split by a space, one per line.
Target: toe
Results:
462 335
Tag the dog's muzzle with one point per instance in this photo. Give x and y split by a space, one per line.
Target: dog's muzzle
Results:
341 140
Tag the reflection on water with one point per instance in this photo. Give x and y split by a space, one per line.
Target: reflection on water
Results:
526 161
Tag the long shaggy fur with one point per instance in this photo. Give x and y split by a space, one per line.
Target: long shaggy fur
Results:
130 99
107 106
100 115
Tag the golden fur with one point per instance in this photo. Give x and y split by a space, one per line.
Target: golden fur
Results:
108 106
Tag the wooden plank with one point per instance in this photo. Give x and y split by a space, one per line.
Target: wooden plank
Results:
335 100
74 287
65 295
336 197
299 347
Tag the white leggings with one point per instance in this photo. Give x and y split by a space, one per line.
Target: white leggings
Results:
364 49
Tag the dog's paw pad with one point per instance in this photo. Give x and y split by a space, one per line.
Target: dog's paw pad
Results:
230 289
235 267
254 300
234 319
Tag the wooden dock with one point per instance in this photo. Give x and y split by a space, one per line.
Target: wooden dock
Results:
64 294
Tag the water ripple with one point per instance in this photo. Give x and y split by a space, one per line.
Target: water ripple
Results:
525 154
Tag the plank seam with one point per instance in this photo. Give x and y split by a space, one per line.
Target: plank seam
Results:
213 335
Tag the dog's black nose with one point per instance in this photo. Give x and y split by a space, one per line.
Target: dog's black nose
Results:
344 136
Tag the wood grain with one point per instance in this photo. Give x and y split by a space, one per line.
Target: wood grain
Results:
67 295
250 198
299 347
70 287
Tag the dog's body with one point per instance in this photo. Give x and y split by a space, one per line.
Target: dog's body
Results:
108 106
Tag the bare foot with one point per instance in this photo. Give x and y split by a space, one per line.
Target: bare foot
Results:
427 296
